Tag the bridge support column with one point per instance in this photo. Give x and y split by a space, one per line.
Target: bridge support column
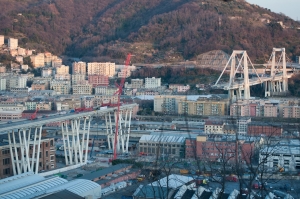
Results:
76 141
123 130
20 146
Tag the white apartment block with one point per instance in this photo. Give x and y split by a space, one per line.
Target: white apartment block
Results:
82 89
38 60
167 103
12 43
47 72
62 70
103 90
1 40
12 107
242 124
15 82
64 77
79 68
98 68
152 82
2 84
78 78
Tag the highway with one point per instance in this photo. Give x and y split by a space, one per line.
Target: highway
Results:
25 124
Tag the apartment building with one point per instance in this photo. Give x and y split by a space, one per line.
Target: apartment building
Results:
260 128
99 100
1 40
98 80
213 105
47 160
8 115
12 43
2 69
63 77
291 111
47 72
104 90
79 89
79 68
68 104
78 79
124 73
137 83
2 84
87 102
152 82
38 60
62 70
214 127
38 86
15 82
172 146
57 62
179 87
47 106
167 103
47 59
97 68
61 87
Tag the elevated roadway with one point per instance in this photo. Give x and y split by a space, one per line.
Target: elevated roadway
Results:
26 124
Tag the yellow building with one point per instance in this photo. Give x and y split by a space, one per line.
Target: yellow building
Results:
167 103
204 106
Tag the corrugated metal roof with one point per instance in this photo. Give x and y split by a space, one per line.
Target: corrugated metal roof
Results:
65 194
162 138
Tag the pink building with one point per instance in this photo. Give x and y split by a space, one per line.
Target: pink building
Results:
98 80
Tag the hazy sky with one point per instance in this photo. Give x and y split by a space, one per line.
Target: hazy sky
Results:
288 7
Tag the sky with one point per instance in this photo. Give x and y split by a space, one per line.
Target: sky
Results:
288 7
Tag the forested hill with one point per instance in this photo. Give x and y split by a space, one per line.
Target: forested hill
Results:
154 30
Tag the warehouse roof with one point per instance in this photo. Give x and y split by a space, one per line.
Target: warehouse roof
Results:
162 138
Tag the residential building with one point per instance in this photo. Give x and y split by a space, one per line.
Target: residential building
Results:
105 99
79 68
44 106
85 89
19 90
87 102
47 72
167 103
104 90
212 105
214 127
2 84
179 87
7 115
62 70
124 73
19 59
98 80
2 69
12 107
152 82
47 160
78 78
137 83
47 59
61 87
38 60
12 43
21 51
31 104
63 77
56 62
1 40
97 68
15 82
162 145
38 86
291 111
242 125
24 67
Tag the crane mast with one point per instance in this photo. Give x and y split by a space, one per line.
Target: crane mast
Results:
119 93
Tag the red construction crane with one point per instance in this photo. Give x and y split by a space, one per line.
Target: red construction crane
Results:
33 116
119 93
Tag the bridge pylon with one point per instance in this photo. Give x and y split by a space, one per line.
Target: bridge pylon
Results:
123 129
238 86
279 85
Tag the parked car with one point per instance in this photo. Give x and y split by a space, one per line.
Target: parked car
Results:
232 178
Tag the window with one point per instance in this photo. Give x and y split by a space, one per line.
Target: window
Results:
46 144
40 164
6 161
46 153
6 171
5 151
